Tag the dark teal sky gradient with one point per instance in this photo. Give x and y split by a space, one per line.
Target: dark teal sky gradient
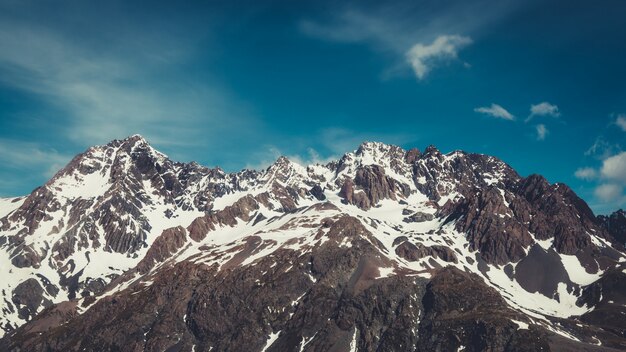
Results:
238 84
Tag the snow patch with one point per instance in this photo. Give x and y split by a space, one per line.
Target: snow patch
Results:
353 343
270 340
385 272
520 324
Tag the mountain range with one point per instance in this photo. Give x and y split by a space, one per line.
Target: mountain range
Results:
384 249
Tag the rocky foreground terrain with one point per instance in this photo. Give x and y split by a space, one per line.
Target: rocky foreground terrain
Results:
382 250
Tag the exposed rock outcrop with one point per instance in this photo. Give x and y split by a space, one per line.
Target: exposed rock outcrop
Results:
412 252
480 321
615 224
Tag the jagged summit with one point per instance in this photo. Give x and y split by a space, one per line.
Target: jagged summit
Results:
128 143
300 254
616 224
117 154
135 138
376 147
140 149
431 149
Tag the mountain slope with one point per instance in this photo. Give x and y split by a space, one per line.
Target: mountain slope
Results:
373 251
615 224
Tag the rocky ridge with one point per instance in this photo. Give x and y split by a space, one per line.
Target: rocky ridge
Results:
369 252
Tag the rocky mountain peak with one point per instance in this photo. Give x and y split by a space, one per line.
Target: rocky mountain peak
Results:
116 159
412 155
282 162
378 153
432 150
130 141
375 147
285 171
123 224
137 138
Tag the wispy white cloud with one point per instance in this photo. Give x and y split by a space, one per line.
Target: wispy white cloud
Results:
107 81
614 168
414 36
354 26
269 154
109 91
610 180
542 131
543 109
609 192
620 121
586 173
31 156
602 149
423 58
264 157
27 164
496 111
334 142
341 140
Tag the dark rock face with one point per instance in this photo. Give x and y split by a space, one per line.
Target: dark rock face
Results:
615 224
190 305
412 155
499 223
541 271
491 227
170 241
608 297
25 256
368 188
558 213
241 209
371 184
27 297
499 210
33 210
376 185
480 321
194 305
318 192
436 176
419 217
412 252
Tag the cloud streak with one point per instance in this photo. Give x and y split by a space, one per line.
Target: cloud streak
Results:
31 156
423 58
27 162
497 111
608 192
543 109
602 149
332 143
586 173
542 132
620 121
414 36
106 91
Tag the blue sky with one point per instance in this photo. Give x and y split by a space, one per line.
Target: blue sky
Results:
540 84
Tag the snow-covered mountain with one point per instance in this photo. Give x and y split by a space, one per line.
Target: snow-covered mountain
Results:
383 249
